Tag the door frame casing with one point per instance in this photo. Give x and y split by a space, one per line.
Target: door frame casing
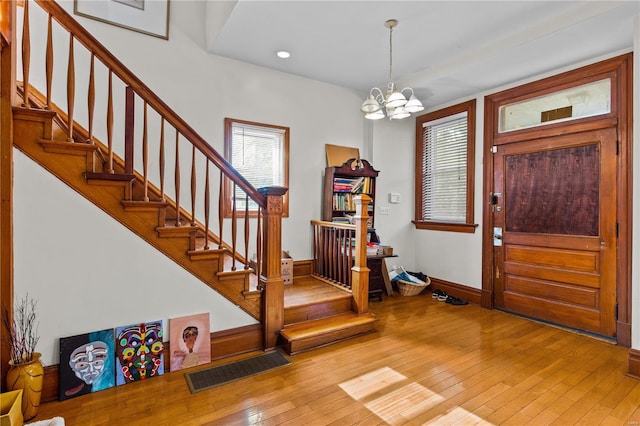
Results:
619 69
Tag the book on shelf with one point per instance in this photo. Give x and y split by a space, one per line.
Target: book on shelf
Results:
341 219
358 185
349 220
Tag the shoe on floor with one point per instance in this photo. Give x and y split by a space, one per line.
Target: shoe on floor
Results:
438 293
456 301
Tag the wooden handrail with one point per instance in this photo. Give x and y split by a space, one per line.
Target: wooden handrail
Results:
336 225
110 61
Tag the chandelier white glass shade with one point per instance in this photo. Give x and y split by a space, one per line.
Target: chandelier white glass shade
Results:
393 104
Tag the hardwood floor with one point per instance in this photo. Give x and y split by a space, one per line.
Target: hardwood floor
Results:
428 363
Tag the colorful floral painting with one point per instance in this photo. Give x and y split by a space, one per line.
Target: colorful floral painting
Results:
190 341
87 363
140 352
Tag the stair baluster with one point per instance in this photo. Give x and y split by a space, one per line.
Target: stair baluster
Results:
161 159
71 89
221 209
110 121
246 230
193 185
207 207
145 154
234 224
26 54
91 99
259 250
49 61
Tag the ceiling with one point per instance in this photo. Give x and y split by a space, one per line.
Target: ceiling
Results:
444 50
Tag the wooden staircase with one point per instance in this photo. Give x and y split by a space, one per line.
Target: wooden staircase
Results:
107 177
318 314
39 135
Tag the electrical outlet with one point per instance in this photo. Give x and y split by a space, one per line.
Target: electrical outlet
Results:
383 210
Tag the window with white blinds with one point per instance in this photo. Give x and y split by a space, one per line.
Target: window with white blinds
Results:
444 174
260 153
445 141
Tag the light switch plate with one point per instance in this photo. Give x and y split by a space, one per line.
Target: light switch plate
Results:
394 197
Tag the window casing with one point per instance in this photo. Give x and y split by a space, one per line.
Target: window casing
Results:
260 153
445 154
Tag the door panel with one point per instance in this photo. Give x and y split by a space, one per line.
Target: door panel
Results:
557 211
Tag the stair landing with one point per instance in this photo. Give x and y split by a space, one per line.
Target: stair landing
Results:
309 298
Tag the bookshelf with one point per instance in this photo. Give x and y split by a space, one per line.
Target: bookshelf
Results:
342 184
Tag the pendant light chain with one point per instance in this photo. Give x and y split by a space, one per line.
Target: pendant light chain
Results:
390 53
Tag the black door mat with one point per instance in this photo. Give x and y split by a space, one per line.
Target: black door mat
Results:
225 373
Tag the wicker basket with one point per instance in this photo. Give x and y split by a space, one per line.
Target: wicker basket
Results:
407 288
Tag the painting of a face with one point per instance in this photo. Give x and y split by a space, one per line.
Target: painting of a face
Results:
190 334
190 341
140 351
88 361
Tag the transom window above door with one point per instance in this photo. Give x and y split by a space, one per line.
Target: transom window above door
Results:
586 100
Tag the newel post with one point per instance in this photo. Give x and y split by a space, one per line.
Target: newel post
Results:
273 294
360 271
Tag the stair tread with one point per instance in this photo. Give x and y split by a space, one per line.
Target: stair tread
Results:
120 177
324 325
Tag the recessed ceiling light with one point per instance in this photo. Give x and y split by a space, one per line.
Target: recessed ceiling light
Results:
283 54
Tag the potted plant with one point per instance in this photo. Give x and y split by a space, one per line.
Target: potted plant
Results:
26 372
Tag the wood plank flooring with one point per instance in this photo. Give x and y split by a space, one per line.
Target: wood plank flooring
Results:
428 363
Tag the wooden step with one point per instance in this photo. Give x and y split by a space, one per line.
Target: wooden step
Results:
92 177
319 309
324 331
309 299
68 148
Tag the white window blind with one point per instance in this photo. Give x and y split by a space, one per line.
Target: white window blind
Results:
444 169
258 154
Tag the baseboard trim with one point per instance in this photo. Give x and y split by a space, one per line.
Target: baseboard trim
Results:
473 295
634 364
623 334
224 344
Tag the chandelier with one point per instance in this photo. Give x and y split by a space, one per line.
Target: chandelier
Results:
395 105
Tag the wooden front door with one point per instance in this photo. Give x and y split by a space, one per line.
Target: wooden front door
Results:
554 216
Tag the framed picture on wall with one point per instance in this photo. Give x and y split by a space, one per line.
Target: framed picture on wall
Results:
149 17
